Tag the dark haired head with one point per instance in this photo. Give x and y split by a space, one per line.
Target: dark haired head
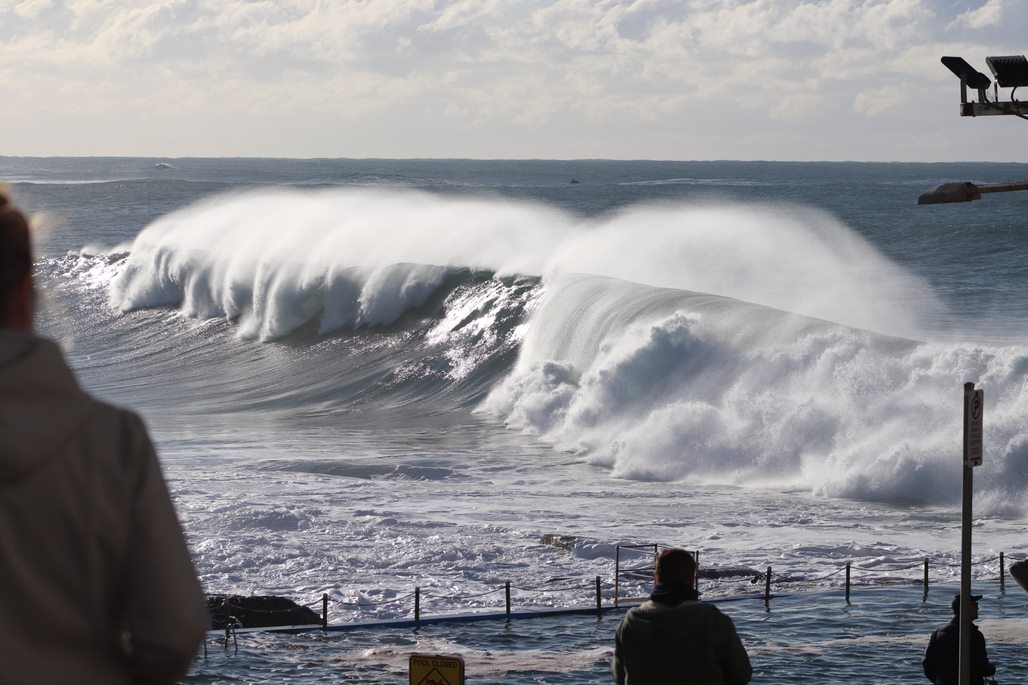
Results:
955 604
674 566
15 256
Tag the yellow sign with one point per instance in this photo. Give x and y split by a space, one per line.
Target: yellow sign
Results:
436 669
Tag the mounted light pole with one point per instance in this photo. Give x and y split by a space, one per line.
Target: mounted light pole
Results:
1010 72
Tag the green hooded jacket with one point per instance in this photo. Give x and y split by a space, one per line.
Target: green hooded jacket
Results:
692 643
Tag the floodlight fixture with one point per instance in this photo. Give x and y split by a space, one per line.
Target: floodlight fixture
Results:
967 74
1010 71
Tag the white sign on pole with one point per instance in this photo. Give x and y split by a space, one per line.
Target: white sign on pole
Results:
974 408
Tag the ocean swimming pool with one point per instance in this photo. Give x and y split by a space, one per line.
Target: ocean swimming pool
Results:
797 638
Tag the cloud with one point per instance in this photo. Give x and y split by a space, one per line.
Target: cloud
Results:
989 14
517 66
28 9
875 102
795 107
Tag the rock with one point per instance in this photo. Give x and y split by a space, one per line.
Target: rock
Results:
559 541
728 572
258 612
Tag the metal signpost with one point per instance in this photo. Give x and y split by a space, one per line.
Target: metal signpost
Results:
974 404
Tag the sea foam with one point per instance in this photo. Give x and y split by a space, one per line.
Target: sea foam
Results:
676 385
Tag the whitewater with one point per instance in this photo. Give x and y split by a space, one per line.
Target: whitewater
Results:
365 376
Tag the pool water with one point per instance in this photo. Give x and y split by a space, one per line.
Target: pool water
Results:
796 638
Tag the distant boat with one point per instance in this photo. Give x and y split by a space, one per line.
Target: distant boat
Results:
574 180
163 165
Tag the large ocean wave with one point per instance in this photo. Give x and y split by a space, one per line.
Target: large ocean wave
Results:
670 385
276 257
758 346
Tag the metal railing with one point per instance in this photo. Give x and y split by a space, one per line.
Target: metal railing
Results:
634 563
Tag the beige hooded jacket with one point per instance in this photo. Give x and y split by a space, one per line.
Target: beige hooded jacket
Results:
96 582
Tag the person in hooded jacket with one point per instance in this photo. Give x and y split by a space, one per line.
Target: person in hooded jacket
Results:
675 639
96 581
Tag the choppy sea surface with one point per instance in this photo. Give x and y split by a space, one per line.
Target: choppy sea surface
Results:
366 376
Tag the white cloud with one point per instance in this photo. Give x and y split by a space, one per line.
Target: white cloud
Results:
875 102
27 8
665 66
796 107
989 14
461 13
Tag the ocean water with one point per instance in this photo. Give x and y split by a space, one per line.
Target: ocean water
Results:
366 376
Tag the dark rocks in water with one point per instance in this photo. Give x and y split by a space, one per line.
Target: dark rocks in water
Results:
728 572
258 612
559 541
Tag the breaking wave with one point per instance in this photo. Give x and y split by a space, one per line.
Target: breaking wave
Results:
752 345
277 258
669 385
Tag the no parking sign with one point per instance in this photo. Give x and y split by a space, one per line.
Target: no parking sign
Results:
974 408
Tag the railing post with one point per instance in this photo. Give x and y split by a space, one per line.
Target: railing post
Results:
925 599
599 600
767 586
847 582
696 579
228 620
507 589
324 610
417 607
617 574
1002 574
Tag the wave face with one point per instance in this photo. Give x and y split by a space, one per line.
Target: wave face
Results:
750 345
450 337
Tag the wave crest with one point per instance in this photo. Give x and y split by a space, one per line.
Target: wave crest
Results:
276 258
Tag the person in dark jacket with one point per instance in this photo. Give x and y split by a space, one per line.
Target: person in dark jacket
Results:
941 661
98 585
675 639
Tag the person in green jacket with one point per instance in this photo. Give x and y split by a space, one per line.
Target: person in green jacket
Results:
675 639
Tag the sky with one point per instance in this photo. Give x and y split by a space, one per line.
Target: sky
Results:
550 79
